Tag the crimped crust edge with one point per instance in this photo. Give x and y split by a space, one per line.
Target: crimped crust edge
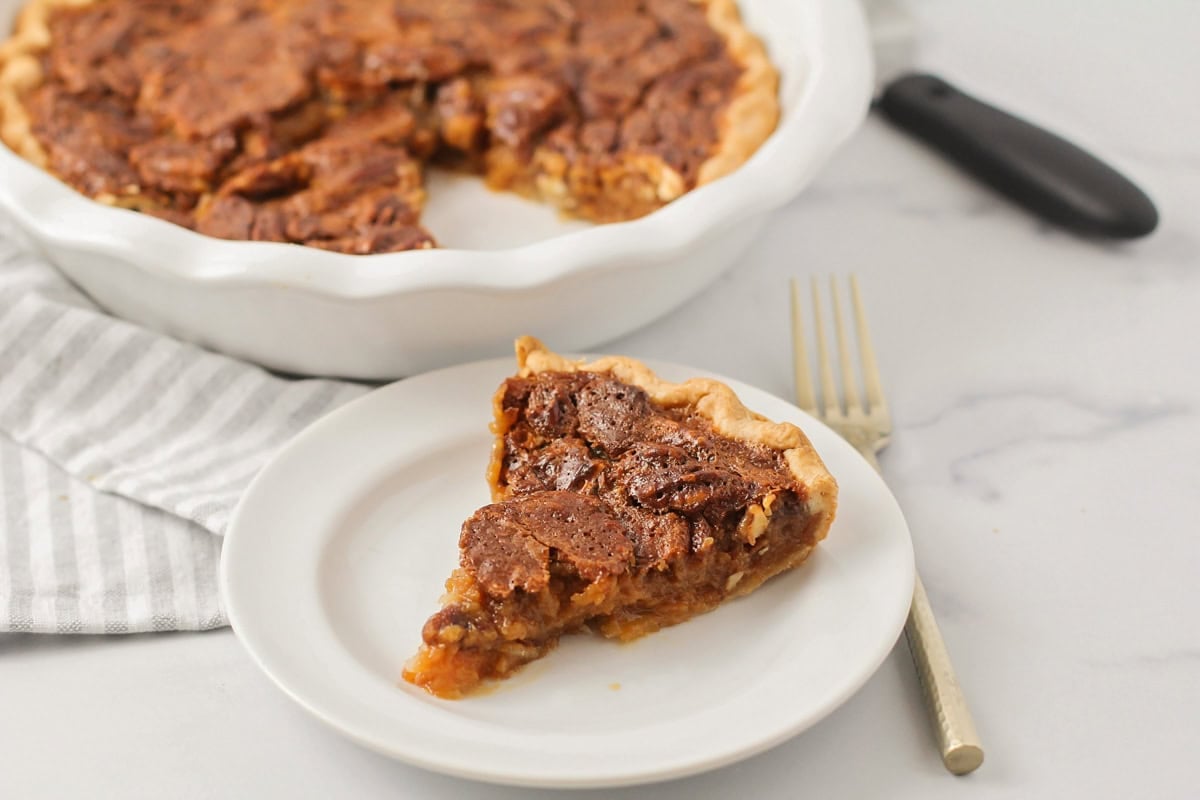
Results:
711 399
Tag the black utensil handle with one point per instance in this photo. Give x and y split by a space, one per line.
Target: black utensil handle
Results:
1041 171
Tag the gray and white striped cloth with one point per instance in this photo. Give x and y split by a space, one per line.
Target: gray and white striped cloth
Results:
122 455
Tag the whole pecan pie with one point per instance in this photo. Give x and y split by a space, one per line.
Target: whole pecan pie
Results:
310 121
622 504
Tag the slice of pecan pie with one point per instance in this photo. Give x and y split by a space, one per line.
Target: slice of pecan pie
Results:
622 504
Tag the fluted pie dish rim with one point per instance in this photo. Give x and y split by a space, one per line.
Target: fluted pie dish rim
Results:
307 311
48 209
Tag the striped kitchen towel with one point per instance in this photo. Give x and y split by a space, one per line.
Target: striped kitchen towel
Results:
122 455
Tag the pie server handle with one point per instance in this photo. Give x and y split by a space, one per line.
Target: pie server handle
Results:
1039 170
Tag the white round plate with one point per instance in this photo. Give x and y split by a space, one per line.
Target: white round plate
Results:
337 554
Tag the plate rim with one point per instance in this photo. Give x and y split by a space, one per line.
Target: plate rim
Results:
456 767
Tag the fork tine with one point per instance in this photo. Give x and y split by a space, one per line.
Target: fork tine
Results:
829 396
849 378
806 396
870 367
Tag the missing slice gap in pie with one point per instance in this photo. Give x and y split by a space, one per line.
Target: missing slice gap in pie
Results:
622 504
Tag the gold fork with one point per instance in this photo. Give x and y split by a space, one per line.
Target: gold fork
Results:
867 425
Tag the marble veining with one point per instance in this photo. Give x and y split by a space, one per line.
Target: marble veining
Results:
1029 424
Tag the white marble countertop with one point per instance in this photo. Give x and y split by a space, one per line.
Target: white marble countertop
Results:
1046 397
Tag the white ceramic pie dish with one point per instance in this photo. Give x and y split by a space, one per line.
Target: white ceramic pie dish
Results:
507 266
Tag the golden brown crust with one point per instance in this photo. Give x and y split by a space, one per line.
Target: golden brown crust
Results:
20 71
753 110
711 399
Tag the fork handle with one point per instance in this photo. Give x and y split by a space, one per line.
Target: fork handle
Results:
952 722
